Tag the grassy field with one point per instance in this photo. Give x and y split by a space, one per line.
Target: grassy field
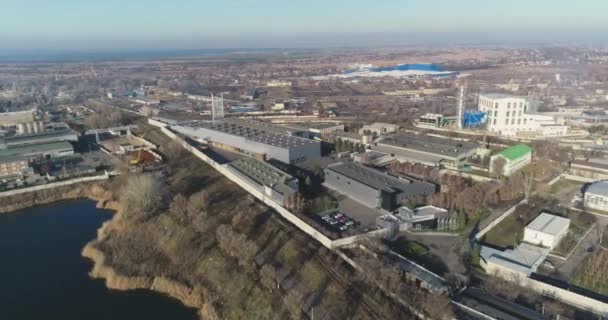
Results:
592 274
409 248
562 185
571 240
508 232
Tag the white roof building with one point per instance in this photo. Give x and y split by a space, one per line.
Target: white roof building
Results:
547 230
510 264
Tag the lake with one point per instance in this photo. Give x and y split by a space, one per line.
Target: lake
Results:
43 276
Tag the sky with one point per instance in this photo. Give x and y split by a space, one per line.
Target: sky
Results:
206 24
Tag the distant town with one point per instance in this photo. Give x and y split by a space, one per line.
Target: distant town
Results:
440 184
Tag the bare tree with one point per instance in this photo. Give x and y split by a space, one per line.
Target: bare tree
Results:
143 194
268 276
527 182
498 167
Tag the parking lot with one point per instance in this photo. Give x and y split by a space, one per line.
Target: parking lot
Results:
337 221
366 216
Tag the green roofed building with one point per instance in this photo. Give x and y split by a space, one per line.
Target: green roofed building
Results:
511 159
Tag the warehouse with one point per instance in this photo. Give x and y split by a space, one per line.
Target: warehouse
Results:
274 183
256 139
373 188
428 150
547 230
59 135
40 150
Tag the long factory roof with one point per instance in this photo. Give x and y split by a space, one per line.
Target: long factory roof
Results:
429 144
254 131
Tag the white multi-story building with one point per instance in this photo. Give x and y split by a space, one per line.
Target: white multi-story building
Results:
596 196
508 115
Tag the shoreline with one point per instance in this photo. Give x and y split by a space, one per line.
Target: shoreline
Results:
191 297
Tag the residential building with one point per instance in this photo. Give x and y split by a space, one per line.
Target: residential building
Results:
253 138
547 230
596 196
379 129
269 180
509 116
373 188
511 159
429 150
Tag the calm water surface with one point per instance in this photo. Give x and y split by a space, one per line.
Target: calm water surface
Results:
43 276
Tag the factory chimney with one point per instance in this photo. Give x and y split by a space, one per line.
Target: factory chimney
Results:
460 106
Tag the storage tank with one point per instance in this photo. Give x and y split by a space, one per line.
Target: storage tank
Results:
36 128
41 127
21 128
29 128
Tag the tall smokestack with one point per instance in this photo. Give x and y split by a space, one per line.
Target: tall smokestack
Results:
460 106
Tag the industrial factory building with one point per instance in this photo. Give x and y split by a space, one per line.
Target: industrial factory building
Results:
317 129
38 137
428 150
14 118
269 180
509 116
38 150
253 138
373 188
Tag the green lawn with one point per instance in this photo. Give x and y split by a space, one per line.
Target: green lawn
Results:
409 248
312 276
507 233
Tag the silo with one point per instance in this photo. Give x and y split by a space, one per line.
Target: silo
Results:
21 128
29 128
41 127
35 125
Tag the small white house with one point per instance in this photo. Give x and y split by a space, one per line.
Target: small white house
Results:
547 230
